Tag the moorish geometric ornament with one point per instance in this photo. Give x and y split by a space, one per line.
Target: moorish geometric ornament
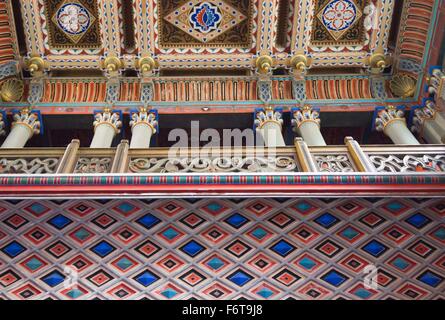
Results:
219 23
338 22
205 20
73 23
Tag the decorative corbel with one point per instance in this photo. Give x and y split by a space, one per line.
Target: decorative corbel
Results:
378 62
264 64
36 65
146 65
112 64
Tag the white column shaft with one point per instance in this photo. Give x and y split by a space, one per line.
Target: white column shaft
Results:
272 135
103 136
18 136
431 133
310 132
141 136
399 133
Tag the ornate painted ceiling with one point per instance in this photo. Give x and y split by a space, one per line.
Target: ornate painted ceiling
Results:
336 40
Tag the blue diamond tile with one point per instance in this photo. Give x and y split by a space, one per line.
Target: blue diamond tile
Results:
53 278
362 293
259 233
125 207
146 278
375 248
430 278
124 263
59 222
283 248
192 248
215 263
349 233
440 233
327 220
240 278
307 263
103 249
334 278
13 249
33 264
265 292
401 263
418 220
170 233
148 221
169 293
236 220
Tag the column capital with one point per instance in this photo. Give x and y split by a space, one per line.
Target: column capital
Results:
387 116
267 115
305 114
145 117
422 114
108 117
28 118
436 83
2 123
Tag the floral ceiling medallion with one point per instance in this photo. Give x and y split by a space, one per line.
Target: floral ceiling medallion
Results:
338 16
207 20
73 19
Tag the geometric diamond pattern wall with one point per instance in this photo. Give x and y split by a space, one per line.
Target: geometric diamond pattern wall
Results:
222 249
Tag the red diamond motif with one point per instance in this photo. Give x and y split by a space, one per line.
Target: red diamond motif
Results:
259 208
217 291
350 208
411 291
81 209
282 220
440 262
15 221
354 262
36 235
261 262
27 291
99 278
171 208
238 248
121 292
438 207
9 277
126 235
104 221
192 220
2 235
329 248
58 249
170 263
305 234
397 234
286 277
79 263
313 291
192 278
215 234
422 249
